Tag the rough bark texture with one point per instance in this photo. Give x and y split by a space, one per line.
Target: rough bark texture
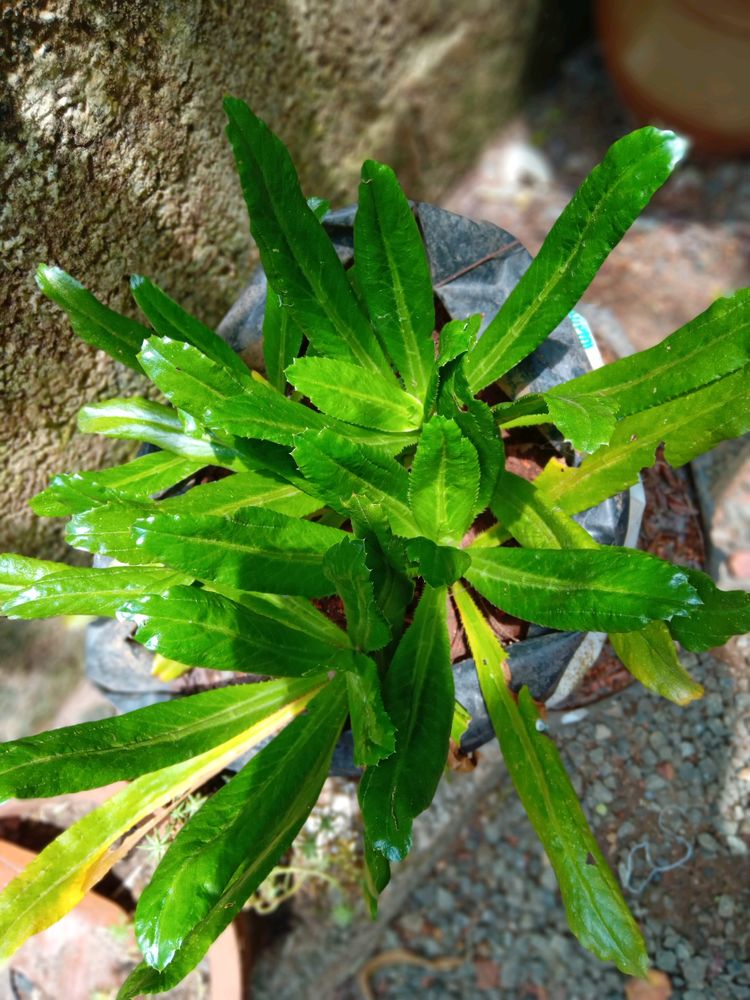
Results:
113 161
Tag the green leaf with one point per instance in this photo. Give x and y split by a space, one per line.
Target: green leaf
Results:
108 530
346 567
606 204
78 591
440 565
96 753
231 845
203 629
358 397
61 875
19 572
724 613
609 589
444 482
339 470
141 478
99 326
243 489
651 658
293 612
297 254
456 337
587 423
393 275
687 426
254 549
597 912
282 340
374 735
521 508
712 345
393 590
377 875
282 337
418 696
461 722
649 653
478 425
172 321
143 420
219 398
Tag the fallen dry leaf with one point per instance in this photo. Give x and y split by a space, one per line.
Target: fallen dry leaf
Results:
488 974
656 986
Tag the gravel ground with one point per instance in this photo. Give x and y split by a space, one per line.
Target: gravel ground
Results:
662 786
666 789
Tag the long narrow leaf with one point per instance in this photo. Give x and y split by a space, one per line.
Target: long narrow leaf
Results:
394 275
607 590
649 653
96 753
170 320
687 427
19 572
226 850
712 345
204 629
606 204
143 420
73 493
78 591
297 255
597 913
65 870
418 696
282 336
343 390
92 321
220 398
244 489
252 550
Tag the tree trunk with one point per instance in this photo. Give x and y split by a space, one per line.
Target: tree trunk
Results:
114 161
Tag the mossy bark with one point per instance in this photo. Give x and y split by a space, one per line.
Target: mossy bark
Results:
112 161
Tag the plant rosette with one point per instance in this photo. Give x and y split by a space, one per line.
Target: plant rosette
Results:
474 266
367 467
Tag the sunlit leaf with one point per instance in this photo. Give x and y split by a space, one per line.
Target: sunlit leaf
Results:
231 845
93 754
597 913
418 696
62 874
205 629
604 207
393 275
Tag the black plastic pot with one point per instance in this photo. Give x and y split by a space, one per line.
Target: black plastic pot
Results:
474 265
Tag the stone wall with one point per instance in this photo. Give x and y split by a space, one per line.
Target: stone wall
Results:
113 160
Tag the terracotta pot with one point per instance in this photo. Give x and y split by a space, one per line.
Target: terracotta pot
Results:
80 951
684 64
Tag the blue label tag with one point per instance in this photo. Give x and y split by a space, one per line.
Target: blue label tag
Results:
583 330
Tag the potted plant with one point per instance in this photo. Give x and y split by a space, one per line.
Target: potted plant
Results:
367 474
473 268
